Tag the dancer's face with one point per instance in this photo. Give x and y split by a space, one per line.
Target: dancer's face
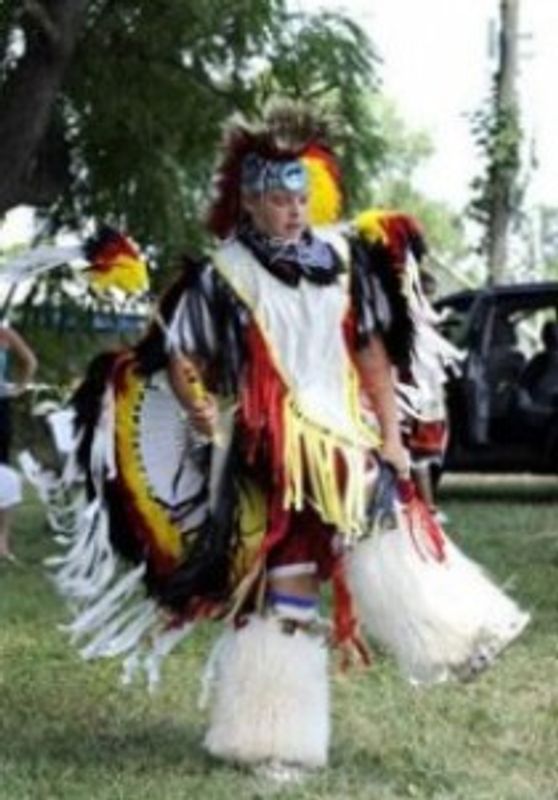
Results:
278 213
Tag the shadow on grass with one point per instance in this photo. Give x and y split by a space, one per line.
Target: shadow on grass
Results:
58 713
131 746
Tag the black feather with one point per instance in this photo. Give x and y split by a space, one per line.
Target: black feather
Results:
375 273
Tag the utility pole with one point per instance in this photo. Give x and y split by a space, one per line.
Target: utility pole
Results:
504 165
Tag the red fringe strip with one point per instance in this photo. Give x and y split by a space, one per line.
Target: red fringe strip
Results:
262 401
421 521
346 634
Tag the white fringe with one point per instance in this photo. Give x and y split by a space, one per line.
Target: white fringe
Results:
434 357
148 654
124 632
107 604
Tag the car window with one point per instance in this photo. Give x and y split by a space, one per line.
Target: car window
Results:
529 328
519 329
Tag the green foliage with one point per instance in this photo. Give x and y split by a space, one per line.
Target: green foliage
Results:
151 84
329 59
549 240
497 134
406 148
394 187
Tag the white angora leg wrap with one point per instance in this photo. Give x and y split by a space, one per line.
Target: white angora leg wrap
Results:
439 619
270 698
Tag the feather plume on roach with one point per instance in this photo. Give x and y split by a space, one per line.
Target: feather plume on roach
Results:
288 131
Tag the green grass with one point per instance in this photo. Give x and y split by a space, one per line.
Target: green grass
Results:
68 730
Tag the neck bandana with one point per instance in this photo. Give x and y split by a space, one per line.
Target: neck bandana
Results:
309 258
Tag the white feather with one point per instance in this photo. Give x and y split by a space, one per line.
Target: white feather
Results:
38 260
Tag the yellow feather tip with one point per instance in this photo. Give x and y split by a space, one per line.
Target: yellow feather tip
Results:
126 273
371 224
324 196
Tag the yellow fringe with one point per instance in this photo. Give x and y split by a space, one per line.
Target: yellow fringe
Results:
313 454
312 450
251 521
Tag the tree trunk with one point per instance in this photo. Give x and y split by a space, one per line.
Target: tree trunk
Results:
502 178
27 99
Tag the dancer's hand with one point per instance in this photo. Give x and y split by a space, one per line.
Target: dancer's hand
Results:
395 454
204 414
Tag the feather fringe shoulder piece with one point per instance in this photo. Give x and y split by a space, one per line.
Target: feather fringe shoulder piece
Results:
200 301
386 248
389 249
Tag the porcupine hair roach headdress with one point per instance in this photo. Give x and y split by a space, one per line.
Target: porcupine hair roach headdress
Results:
288 132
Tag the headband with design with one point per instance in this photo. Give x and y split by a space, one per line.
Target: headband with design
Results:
261 175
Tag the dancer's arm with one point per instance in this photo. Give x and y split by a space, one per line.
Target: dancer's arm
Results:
26 362
376 375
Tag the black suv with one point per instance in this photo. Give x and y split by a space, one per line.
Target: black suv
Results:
503 407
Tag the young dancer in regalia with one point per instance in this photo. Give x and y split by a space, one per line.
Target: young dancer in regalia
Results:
248 450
